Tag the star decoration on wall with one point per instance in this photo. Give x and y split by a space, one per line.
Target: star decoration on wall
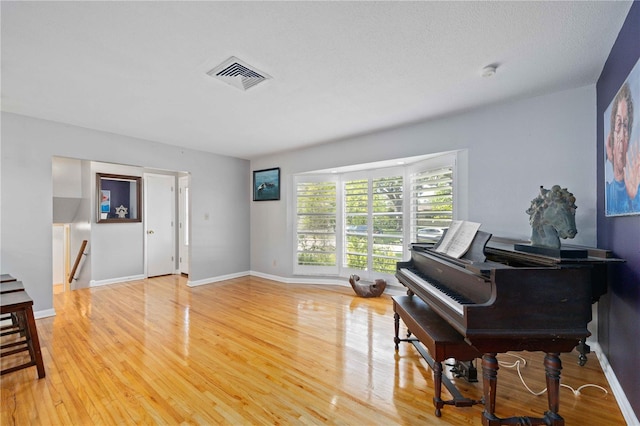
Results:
122 211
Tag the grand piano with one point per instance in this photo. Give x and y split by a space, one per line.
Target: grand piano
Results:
502 297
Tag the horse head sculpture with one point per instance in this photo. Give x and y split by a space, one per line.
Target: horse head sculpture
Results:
552 216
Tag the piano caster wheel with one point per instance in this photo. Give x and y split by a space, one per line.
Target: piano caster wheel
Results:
582 360
583 350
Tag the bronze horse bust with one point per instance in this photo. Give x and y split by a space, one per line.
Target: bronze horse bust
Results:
552 216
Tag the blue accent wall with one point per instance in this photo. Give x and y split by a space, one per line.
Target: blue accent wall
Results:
619 309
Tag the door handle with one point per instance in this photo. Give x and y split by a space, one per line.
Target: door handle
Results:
150 231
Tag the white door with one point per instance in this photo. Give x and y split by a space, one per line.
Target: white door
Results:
159 213
183 224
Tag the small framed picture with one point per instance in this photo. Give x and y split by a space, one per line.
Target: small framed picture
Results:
266 184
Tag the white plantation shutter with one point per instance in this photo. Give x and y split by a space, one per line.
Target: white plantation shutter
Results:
373 224
316 217
431 203
387 223
356 224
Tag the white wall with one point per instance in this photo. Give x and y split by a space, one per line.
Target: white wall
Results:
513 148
220 191
67 177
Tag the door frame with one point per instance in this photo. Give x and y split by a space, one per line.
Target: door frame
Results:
184 262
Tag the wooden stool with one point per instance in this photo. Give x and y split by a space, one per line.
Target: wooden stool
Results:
9 286
19 303
6 278
441 340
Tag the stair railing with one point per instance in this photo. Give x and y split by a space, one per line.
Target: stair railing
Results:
77 262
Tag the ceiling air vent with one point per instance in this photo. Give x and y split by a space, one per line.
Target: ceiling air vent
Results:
238 74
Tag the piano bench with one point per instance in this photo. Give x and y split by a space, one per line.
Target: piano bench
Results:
441 340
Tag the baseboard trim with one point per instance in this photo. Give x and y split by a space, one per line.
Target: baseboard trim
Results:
98 283
621 398
339 281
44 313
298 280
213 280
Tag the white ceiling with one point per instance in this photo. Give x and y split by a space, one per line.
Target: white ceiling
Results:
338 68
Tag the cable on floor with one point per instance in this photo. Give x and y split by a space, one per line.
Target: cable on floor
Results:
521 361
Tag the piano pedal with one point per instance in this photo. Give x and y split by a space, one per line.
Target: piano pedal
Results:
465 369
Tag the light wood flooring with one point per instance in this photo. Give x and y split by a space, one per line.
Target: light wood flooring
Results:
253 351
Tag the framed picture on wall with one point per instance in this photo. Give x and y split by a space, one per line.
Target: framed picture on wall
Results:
266 184
118 198
105 203
622 149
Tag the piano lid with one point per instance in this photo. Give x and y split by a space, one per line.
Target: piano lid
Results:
505 249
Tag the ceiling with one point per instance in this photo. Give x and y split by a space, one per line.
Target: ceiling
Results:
337 69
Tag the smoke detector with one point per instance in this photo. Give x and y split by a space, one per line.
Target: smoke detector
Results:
489 70
238 74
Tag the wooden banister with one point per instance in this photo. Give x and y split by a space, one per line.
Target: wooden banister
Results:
78 257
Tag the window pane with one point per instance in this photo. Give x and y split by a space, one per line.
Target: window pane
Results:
356 220
387 223
316 223
431 204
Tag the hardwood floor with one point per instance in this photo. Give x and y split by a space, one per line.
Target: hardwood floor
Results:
253 351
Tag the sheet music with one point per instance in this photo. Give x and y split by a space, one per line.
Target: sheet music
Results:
458 238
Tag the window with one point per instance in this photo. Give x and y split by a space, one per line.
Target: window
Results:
360 222
316 217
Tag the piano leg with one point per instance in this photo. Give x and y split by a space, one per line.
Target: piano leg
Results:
489 385
552 367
